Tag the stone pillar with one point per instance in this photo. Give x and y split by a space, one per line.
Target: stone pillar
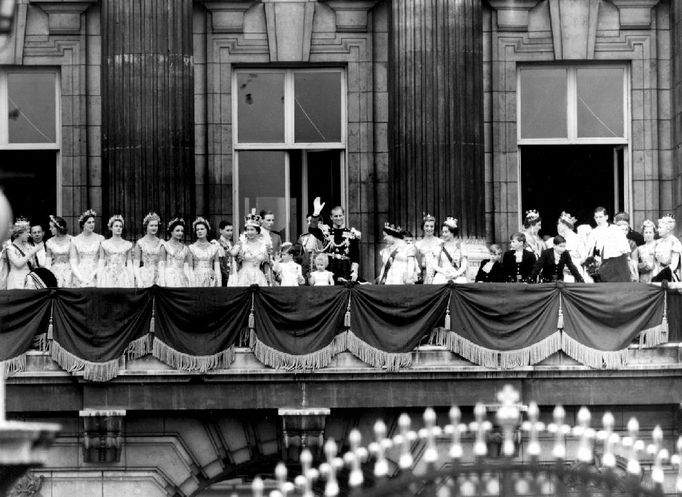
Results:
436 113
676 54
147 109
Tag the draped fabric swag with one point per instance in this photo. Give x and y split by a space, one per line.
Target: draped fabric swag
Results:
197 329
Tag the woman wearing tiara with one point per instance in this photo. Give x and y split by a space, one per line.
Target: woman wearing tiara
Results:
57 251
251 253
452 261
84 252
428 249
20 254
115 258
205 256
532 224
667 253
147 253
175 257
399 259
645 253
564 228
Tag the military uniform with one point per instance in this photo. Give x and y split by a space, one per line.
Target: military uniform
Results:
343 247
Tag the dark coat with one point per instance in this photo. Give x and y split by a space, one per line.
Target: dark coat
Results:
526 267
549 270
496 275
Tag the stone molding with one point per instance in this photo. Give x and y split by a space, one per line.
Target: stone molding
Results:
228 17
351 17
513 15
102 435
304 427
635 14
289 27
64 17
574 28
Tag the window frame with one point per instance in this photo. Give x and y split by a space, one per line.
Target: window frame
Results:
4 110
572 137
289 143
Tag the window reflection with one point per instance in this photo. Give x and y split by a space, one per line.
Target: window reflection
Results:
543 103
600 102
260 107
318 106
31 107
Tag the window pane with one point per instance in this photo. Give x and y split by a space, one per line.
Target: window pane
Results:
318 106
261 185
600 102
543 103
32 107
260 107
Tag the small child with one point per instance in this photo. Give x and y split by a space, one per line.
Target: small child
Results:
288 271
321 277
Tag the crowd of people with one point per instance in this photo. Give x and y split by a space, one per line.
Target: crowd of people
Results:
329 254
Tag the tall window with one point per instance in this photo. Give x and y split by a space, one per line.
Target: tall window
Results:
573 137
29 140
290 136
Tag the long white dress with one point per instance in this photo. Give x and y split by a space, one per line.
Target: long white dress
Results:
402 268
175 266
449 268
663 254
116 273
18 268
251 256
203 256
428 250
60 265
150 255
87 249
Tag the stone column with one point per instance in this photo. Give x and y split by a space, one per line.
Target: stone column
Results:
436 113
147 109
676 54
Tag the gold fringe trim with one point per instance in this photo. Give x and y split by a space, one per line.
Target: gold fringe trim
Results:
594 358
654 336
139 347
532 354
14 365
186 362
315 360
375 357
93 371
496 359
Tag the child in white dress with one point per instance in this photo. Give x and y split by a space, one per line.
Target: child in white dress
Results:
289 272
321 277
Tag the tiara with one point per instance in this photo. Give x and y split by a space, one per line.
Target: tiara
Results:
175 221
152 216
567 218
201 220
450 222
648 223
532 215
252 219
85 215
427 217
392 229
668 218
21 224
114 218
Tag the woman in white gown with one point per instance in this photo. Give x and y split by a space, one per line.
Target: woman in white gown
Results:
428 249
115 258
20 254
84 252
251 252
57 252
147 253
205 256
399 259
175 257
668 252
452 260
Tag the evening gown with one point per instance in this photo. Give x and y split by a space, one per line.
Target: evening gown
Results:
61 265
150 254
116 273
87 249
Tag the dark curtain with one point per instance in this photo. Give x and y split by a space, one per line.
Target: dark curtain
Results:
23 315
201 321
98 324
394 318
608 316
301 321
675 316
504 316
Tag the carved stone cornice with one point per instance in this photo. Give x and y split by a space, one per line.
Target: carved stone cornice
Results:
64 16
228 17
102 435
635 14
574 28
289 25
351 17
304 427
513 15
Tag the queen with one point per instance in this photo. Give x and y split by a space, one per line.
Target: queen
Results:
84 252
399 259
175 257
205 256
147 253
251 252
115 258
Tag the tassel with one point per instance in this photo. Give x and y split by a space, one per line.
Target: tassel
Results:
346 317
152 321
252 317
664 321
560 319
448 324
50 326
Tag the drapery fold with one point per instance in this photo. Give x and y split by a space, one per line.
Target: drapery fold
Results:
95 327
494 325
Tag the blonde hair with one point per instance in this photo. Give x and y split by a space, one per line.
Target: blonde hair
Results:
323 257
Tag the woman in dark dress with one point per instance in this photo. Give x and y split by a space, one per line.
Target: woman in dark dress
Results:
492 270
519 261
550 266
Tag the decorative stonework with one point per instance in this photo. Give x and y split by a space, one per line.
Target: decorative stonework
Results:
304 428
228 17
513 15
351 16
635 14
64 17
574 28
27 486
289 27
102 435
